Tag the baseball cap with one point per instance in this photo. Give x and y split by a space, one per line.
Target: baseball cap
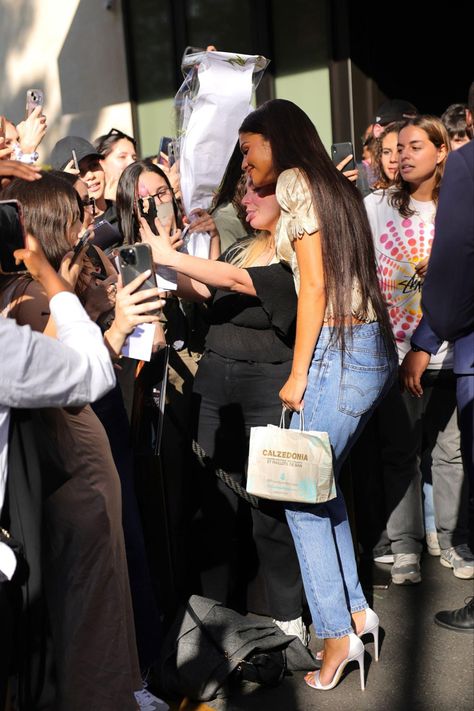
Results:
394 110
62 151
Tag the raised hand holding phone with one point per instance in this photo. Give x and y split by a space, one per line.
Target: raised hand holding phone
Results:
81 244
34 99
33 257
135 315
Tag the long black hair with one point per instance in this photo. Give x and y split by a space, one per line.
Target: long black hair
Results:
126 198
346 239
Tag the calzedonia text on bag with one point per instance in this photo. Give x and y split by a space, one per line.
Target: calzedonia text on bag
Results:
301 456
290 465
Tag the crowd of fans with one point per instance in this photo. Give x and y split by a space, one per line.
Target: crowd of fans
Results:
312 293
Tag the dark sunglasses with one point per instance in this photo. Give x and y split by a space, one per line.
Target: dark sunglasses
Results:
120 134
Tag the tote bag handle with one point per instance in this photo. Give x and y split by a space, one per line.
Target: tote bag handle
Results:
282 418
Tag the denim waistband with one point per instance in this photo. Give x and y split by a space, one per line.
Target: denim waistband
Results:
358 332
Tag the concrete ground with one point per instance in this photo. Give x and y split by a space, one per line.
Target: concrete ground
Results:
422 667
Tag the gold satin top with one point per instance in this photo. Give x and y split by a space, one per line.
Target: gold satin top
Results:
298 217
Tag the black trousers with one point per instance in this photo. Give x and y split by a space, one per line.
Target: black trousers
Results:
230 397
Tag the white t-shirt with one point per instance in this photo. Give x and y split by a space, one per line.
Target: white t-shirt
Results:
400 243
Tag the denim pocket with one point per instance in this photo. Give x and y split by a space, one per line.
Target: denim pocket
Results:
360 388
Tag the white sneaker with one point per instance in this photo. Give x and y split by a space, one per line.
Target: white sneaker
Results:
460 559
149 702
432 543
294 627
406 569
384 558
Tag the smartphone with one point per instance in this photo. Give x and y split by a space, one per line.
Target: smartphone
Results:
134 259
79 246
165 211
106 236
339 151
149 210
173 152
163 148
12 236
34 98
75 162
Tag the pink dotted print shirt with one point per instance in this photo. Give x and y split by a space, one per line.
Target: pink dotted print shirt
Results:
400 244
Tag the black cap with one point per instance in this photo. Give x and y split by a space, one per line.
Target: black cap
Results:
61 154
394 110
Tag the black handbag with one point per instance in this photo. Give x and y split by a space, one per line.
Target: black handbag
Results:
266 668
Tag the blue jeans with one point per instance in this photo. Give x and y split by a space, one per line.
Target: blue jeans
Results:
340 396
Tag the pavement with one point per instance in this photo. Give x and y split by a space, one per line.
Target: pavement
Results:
422 667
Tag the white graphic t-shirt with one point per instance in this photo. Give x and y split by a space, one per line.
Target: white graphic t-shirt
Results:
400 243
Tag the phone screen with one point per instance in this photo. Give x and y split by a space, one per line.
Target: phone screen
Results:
12 236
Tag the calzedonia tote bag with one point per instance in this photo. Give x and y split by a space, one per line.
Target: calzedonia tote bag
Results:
290 465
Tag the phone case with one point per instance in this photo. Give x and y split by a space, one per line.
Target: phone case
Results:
339 151
34 98
13 236
142 261
165 211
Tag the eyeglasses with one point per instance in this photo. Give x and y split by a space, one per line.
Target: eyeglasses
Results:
120 134
160 194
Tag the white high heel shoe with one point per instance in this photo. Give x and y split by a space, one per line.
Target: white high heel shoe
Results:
371 626
356 653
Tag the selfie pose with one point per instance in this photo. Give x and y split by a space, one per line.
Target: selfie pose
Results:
343 357
247 357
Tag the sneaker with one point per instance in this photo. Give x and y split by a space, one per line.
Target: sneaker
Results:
294 627
149 702
406 569
385 558
432 543
460 559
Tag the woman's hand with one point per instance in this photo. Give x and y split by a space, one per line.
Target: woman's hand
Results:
422 267
32 130
293 391
100 296
5 151
351 175
163 244
10 169
202 221
412 368
172 173
69 168
40 269
132 308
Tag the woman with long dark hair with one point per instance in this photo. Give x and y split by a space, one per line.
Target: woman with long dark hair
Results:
343 358
252 306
